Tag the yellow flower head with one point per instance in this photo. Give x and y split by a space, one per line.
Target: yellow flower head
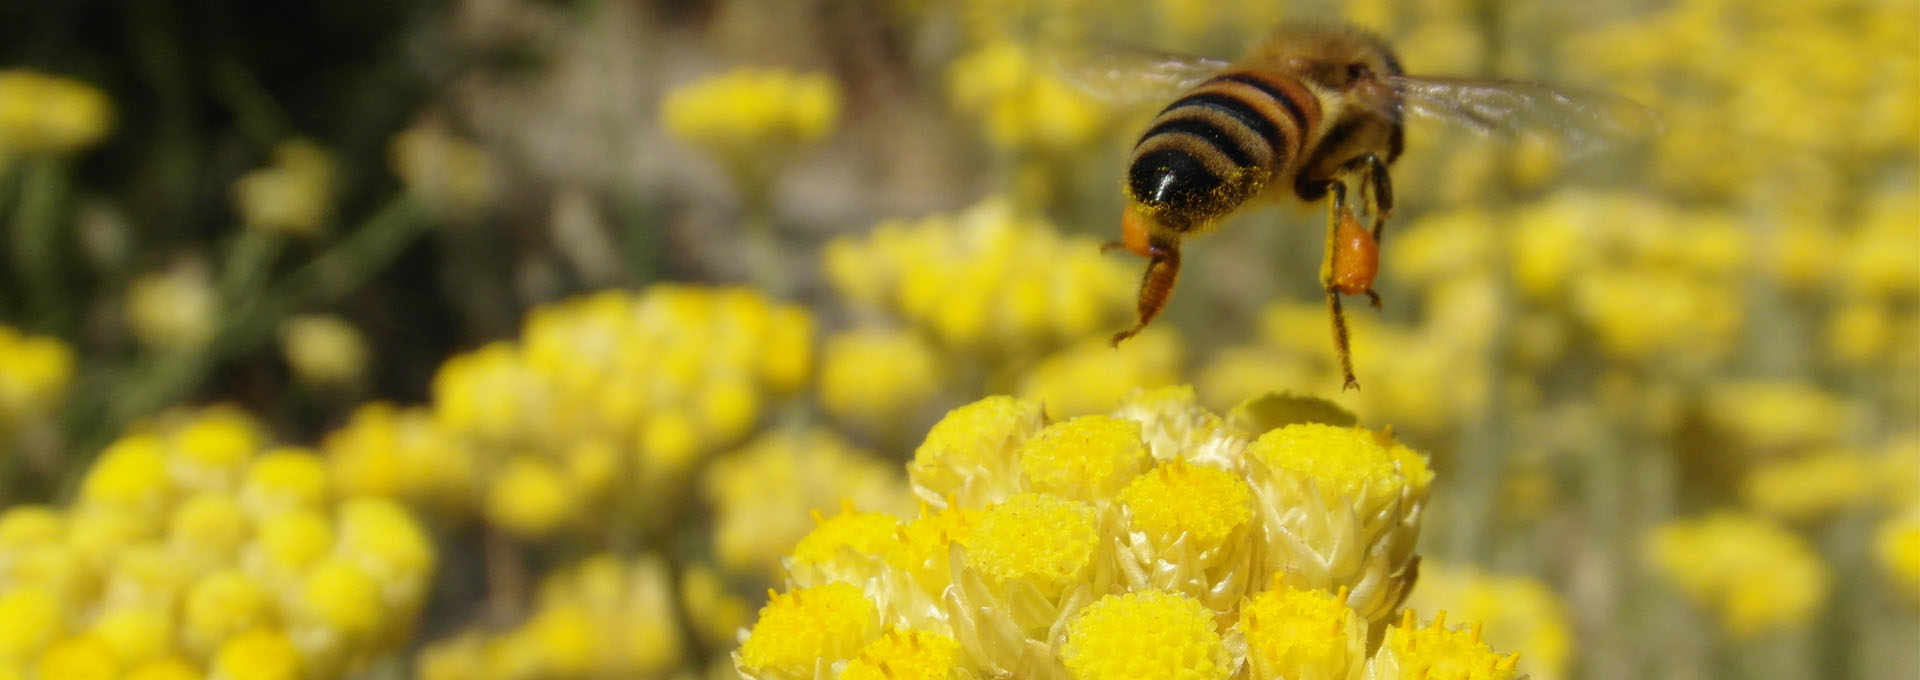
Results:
1896 545
1811 486
905 655
292 196
969 454
1086 458
82 657
1755 575
259 655
453 176
175 309
879 380
1436 652
1302 634
1517 613
802 630
842 548
324 351
765 493
1038 539
1021 106
749 112
34 372
1148 634
49 114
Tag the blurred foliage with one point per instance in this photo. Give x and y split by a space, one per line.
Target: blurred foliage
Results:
602 314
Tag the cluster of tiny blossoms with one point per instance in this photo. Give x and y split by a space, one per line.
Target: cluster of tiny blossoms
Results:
611 392
193 550
1159 541
987 281
1754 575
602 617
40 113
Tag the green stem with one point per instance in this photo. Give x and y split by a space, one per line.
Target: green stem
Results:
257 115
38 252
165 379
249 264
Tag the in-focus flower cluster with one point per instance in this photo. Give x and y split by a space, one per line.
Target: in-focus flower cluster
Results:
987 281
612 392
1754 575
40 113
193 550
1517 612
603 617
1160 541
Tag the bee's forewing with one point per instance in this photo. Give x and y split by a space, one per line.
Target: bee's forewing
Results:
1126 76
1586 121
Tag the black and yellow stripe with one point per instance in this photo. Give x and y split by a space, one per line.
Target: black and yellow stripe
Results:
1214 148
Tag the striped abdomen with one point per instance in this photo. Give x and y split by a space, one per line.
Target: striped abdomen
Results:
1217 146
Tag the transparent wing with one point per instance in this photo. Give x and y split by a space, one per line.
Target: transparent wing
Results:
1127 76
1586 121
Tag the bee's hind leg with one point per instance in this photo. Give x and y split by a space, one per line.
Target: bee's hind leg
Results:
1163 269
1338 209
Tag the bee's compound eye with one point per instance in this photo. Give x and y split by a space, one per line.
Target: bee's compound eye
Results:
1357 71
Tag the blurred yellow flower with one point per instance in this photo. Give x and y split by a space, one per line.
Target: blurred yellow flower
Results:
48 114
174 309
1896 545
292 196
324 351
451 175
1812 486
1021 106
1093 375
764 493
751 114
1777 416
878 380
1754 575
34 373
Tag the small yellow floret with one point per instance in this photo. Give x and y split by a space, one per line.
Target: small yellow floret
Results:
258 655
1087 458
291 540
223 604
82 657
1148 634
1810 486
978 437
866 533
809 627
1042 539
530 497
1342 460
209 526
136 634
130 474
344 598
1200 502
164 669
1438 653
905 655
285 478
28 525
30 617
1896 544
1302 635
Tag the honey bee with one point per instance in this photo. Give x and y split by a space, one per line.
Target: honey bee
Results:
1313 112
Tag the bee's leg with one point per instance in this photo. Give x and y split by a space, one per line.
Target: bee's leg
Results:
1337 209
1382 195
1163 268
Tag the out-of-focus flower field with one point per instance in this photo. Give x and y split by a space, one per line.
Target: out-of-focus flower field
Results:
554 339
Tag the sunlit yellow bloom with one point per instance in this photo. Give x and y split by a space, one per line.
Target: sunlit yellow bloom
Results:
531 498
1755 575
1302 634
171 668
82 657
174 309
452 175
30 618
1517 612
747 112
259 655
842 548
136 634
1092 376
800 629
878 380
292 196
283 479
1149 634
401 453
48 114
1434 652
969 455
905 655
324 350
209 526
1896 544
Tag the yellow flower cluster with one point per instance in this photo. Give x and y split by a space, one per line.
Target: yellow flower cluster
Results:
1812 486
763 494
292 196
451 175
193 548
603 617
1517 612
1763 417
34 373
987 280
879 380
1092 376
1022 106
1159 541
1789 85
611 392
1896 545
1754 575
175 309
40 113
747 113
